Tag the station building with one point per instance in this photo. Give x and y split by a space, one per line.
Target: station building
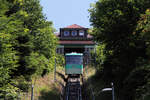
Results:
74 38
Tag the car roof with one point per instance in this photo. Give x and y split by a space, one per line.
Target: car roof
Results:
69 54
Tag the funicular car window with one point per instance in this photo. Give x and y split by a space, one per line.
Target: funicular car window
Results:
75 59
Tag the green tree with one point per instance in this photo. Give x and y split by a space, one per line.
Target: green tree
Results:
27 45
37 37
114 24
143 30
8 57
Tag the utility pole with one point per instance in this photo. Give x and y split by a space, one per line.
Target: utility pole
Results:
32 90
95 53
113 92
55 71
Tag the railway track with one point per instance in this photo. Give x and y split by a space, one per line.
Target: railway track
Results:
73 89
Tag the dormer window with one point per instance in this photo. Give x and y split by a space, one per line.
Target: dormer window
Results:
66 33
81 32
74 33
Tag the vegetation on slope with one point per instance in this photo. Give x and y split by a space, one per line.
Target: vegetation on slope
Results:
45 88
27 45
121 29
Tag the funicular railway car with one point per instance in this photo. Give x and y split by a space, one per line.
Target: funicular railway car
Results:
73 69
74 64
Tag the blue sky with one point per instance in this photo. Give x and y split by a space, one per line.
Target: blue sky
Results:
67 12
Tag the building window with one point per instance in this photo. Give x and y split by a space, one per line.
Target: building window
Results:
60 50
91 49
87 49
66 33
81 33
57 50
74 33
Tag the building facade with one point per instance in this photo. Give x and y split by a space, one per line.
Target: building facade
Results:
74 38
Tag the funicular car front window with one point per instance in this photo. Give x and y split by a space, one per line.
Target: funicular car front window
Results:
74 60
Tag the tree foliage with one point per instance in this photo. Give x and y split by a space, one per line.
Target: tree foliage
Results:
119 26
27 45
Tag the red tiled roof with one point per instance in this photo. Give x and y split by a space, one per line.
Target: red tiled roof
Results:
76 42
74 26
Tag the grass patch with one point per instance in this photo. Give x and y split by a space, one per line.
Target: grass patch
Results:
49 94
46 88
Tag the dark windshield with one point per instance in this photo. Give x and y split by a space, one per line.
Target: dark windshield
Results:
75 59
